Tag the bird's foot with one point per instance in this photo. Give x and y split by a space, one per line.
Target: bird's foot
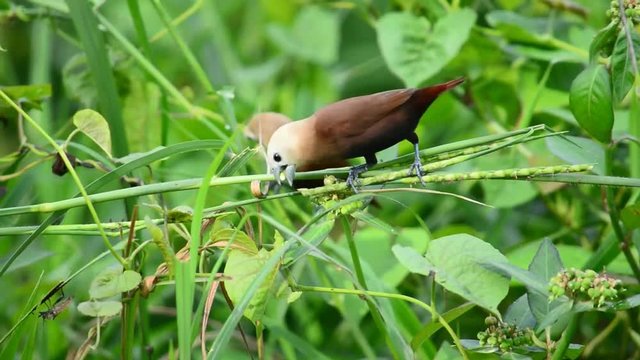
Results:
352 179
416 168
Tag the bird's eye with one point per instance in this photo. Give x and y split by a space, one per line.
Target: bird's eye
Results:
277 157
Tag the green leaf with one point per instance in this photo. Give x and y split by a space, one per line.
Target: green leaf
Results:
315 36
414 51
628 303
376 245
530 280
243 267
545 264
241 241
92 124
590 101
603 42
554 315
113 281
622 71
577 150
459 266
413 261
100 308
631 216
28 96
519 313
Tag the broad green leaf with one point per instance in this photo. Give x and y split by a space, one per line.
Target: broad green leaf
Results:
28 96
622 71
92 124
519 313
545 264
578 150
315 35
459 266
530 280
113 281
591 102
412 260
603 42
415 51
554 315
242 267
375 246
100 308
631 216
241 241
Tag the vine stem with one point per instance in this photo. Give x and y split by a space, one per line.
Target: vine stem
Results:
72 172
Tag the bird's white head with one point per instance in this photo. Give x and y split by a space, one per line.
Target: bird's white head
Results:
282 153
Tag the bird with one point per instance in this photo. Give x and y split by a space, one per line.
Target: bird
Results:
355 127
262 126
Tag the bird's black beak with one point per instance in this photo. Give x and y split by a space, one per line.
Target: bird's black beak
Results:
289 173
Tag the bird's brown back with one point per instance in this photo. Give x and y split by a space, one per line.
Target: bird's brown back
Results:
364 125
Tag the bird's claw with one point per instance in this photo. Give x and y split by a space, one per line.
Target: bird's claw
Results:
352 179
417 168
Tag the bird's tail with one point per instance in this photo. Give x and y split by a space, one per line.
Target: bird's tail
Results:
428 94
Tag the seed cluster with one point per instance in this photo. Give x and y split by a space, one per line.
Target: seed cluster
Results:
584 285
503 335
631 10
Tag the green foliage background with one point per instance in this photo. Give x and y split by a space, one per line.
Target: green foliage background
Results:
166 73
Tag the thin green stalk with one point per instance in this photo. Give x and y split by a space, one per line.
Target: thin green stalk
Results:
563 344
375 313
182 45
72 172
615 217
357 292
179 19
138 24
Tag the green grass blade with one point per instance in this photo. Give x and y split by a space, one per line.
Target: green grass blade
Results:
114 175
95 49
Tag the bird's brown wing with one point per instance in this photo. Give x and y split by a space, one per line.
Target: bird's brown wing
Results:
351 118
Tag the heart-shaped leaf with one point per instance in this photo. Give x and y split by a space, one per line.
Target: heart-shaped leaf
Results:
100 308
414 51
92 124
113 281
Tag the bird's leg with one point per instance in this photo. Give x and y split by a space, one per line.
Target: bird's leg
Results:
352 179
417 164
